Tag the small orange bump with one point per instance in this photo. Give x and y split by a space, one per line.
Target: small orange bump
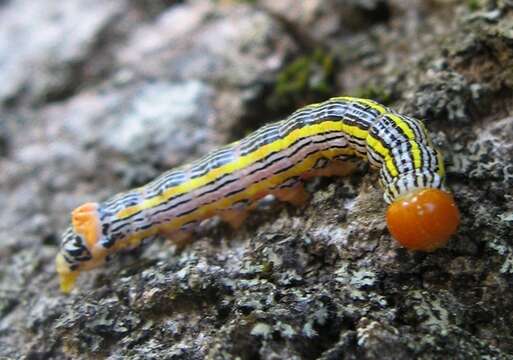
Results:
295 195
85 208
424 219
179 238
67 278
85 221
234 217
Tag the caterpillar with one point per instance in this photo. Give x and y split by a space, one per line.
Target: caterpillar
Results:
316 140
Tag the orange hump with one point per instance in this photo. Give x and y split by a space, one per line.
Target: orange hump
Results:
424 219
86 222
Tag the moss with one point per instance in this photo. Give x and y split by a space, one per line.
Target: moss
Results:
374 92
473 5
308 78
267 267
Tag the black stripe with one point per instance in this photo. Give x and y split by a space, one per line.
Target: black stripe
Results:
270 163
352 120
307 155
186 212
383 125
229 181
251 142
264 165
234 192
250 147
401 131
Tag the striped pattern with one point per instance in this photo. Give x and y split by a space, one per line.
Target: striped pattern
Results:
276 156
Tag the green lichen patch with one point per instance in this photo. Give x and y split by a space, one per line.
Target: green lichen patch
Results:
474 5
306 79
376 92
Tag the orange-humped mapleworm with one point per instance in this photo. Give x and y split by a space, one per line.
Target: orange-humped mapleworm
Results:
316 140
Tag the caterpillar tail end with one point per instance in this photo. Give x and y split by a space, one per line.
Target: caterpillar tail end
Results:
67 282
81 248
67 278
424 219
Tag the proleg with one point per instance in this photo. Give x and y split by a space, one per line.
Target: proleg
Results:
316 140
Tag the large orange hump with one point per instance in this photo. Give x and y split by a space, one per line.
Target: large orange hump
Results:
86 222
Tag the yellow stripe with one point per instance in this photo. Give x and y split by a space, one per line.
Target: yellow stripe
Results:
243 162
407 130
354 131
257 188
378 147
441 165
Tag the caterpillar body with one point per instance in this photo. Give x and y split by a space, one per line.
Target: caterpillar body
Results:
316 140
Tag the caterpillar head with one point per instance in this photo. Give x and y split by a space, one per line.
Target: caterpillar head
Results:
422 214
81 246
423 219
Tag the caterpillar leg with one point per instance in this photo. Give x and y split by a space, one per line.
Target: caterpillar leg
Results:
340 168
180 237
234 217
295 195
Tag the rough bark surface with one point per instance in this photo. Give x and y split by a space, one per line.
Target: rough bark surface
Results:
100 96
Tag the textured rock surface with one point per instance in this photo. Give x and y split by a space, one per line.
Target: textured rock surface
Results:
99 96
